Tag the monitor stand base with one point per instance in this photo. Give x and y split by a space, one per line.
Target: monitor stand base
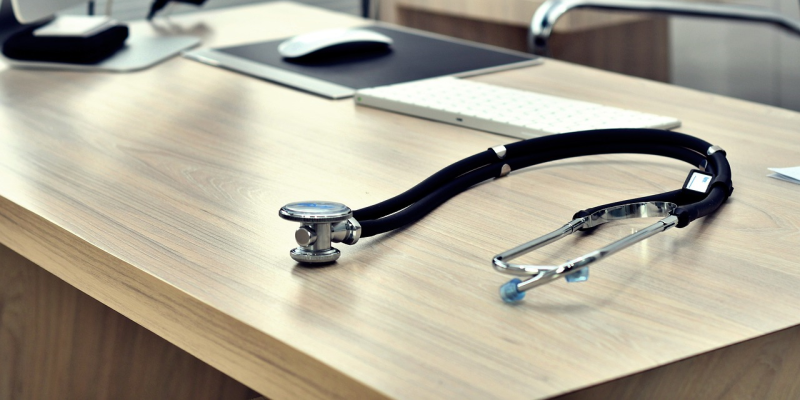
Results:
139 52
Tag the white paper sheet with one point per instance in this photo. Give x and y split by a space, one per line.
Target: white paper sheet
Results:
791 174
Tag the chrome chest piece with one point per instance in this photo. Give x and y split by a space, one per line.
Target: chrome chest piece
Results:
321 223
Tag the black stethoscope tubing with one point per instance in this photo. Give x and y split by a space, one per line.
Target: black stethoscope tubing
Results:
423 198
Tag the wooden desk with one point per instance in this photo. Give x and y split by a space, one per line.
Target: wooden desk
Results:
156 193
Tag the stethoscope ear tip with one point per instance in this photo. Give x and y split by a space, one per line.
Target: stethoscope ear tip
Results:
581 275
510 293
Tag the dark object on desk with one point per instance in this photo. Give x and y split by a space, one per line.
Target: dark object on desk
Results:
415 55
24 45
159 4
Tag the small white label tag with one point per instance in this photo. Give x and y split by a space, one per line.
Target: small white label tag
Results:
698 182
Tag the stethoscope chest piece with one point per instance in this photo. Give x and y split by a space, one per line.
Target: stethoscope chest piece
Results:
321 223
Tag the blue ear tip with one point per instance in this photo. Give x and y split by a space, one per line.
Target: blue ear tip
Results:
582 275
509 292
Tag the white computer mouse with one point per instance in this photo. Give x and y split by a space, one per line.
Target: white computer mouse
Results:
313 42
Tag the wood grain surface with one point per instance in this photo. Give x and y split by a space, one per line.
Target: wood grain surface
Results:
762 368
59 343
157 193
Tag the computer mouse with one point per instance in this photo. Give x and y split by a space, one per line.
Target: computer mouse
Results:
354 40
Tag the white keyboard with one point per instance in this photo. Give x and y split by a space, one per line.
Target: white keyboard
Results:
497 109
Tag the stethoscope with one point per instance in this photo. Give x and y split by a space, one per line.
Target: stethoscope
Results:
703 192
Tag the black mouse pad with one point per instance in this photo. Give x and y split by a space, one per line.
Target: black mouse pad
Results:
413 56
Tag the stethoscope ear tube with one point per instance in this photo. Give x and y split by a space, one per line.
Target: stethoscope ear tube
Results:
425 187
428 203
427 196
543 149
